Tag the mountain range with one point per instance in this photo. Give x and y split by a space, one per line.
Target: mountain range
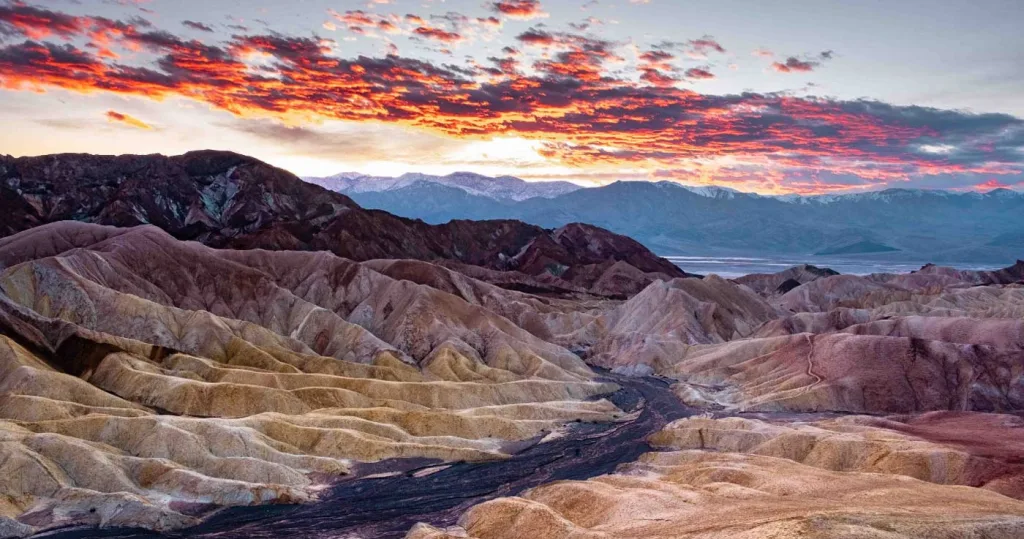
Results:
672 219
507 188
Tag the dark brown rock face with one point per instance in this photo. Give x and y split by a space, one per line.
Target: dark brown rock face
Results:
223 199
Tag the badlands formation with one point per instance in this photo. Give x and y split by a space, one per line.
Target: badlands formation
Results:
143 375
188 334
877 407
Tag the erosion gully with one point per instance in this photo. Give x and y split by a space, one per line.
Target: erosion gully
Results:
385 499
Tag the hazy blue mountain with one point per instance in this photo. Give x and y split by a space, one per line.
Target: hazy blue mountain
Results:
433 202
858 248
671 219
497 188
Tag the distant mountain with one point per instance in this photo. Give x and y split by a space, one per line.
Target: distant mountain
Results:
861 247
502 188
915 225
433 202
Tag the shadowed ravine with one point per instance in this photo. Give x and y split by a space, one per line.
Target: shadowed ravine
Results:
388 506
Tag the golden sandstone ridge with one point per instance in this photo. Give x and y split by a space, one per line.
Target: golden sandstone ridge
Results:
142 375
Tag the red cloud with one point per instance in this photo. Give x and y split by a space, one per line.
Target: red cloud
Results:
656 69
519 9
438 34
38 23
585 114
993 183
656 78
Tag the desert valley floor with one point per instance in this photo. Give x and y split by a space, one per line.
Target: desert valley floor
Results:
230 352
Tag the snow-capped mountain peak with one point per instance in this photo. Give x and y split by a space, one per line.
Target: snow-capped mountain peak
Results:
708 191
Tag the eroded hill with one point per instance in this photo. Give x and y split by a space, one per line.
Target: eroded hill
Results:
183 334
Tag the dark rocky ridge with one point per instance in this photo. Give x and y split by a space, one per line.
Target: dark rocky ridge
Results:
228 200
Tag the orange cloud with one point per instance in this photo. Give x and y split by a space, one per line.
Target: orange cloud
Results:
585 114
114 116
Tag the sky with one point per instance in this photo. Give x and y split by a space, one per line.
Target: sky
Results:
772 97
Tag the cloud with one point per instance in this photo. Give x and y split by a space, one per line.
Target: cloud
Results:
565 92
361 22
131 121
699 73
39 23
519 9
586 24
571 55
197 26
706 44
537 37
656 69
694 48
991 184
794 64
493 22
438 34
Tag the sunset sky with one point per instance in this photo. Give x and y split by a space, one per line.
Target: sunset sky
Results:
773 97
